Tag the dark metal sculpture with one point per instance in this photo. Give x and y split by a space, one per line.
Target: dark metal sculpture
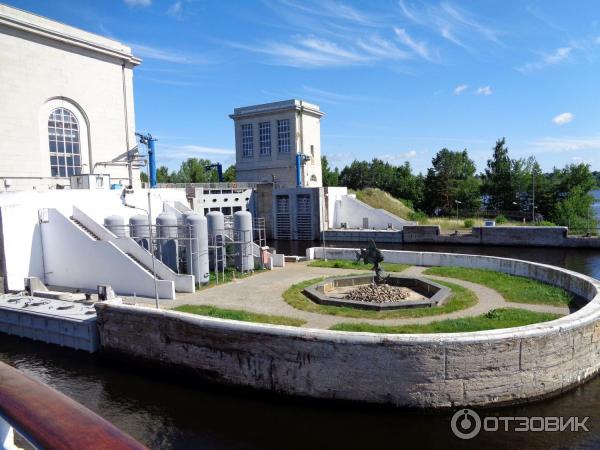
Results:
373 255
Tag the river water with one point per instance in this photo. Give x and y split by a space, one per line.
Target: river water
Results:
172 413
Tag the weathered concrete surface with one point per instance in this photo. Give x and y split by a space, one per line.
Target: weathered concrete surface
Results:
444 370
517 236
431 234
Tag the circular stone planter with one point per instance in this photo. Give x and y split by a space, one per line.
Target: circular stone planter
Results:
435 294
447 370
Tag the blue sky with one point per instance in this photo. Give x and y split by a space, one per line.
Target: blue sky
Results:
397 79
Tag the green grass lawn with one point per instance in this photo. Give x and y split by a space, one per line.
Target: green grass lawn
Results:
512 288
492 320
377 198
461 299
230 275
236 314
356 265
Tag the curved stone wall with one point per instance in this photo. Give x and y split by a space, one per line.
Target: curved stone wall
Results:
416 370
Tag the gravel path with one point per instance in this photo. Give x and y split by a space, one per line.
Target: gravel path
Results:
261 293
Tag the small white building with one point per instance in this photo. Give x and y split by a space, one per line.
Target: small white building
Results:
66 99
268 139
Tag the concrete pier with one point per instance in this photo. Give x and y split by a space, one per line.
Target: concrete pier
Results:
502 236
494 367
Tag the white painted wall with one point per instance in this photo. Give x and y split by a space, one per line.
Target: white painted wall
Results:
333 194
351 211
311 140
45 65
20 227
305 131
72 258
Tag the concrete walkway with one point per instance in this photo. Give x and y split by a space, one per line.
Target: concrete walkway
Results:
262 293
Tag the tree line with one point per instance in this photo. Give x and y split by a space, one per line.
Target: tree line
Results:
515 188
192 170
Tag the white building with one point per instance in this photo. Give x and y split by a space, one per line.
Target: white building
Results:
268 139
66 99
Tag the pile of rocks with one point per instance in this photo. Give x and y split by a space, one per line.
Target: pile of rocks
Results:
378 293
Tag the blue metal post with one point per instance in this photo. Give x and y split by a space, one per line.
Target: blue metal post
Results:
298 170
152 160
220 172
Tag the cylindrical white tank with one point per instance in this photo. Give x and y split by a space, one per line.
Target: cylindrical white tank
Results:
166 225
116 224
197 247
138 230
242 230
216 228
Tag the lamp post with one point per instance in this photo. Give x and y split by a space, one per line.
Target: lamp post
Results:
150 237
533 195
457 203
325 221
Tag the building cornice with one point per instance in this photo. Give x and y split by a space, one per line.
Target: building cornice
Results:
118 51
275 108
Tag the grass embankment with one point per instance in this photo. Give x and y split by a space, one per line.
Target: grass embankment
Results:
376 198
236 314
513 288
461 299
492 320
356 265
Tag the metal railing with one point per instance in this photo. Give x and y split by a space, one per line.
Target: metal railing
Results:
47 419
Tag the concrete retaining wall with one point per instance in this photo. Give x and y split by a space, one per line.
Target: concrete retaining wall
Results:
379 236
354 213
517 236
418 370
431 234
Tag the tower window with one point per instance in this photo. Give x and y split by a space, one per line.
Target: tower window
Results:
283 136
264 133
64 142
247 141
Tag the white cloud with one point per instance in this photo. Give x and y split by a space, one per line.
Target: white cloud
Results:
138 2
419 48
381 48
175 9
391 157
558 56
563 118
311 52
173 155
460 89
450 22
330 33
484 90
166 55
567 144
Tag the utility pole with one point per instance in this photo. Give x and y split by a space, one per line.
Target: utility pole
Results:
533 196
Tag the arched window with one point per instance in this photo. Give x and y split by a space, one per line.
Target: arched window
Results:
65 145
313 178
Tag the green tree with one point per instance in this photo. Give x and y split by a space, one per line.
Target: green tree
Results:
500 179
356 176
572 205
450 179
229 174
330 177
162 175
192 171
